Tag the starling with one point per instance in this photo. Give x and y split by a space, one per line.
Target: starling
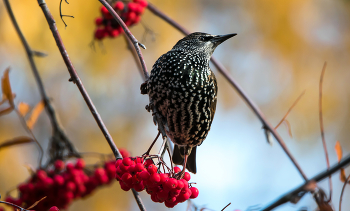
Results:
183 90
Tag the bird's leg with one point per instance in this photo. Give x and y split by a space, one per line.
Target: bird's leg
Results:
181 174
149 149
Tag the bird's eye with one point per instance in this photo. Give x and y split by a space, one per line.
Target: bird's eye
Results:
204 39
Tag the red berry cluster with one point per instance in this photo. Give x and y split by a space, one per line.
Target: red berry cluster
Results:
130 13
62 184
140 174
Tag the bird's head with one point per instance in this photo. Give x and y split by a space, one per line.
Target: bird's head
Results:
200 42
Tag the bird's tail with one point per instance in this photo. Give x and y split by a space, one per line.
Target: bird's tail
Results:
178 158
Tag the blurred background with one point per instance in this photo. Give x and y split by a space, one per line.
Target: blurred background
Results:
279 52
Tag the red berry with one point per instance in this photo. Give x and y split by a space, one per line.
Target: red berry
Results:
187 176
171 199
152 169
135 180
144 175
176 169
170 184
162 195
139 167
22 187
54 208
59 165
143 3
99 21
118 162
119 5
99 172
106 13
127 161
124 153
170 204
114 33
195 192
70 186
137 19
174 192
180 185
139 187
80 164
163 178
131 16
127 179
123 167
139 160
132 6
41 174
139 9
154 197
132 169
124 186
185 184
154 178
148 162
69 167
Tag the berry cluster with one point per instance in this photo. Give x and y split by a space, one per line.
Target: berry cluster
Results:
62 184
140 174
130 13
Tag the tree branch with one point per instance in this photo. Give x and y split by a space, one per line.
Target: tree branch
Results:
57 131
237 87
300 191
75 78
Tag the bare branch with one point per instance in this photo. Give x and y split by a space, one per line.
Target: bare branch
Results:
300 191
57 130
75 78
290 109
342 192
241 92
322 128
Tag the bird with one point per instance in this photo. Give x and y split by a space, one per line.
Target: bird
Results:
183 90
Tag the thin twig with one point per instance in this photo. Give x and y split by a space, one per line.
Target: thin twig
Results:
134 41
134 55
56 128
75 78
241 92
322 129
138 199
226 206
342 192
65 25
300 191
290 109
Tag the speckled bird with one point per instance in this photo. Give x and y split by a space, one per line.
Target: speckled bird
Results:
183 89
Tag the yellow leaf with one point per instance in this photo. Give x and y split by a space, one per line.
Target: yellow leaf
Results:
35 114
6 87
338 150
342 175
17 140
23 108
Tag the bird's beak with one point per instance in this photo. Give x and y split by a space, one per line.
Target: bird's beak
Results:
221 38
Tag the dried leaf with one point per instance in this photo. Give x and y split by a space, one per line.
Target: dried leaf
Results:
23 108
338 150
6 87
6 111
289 128
342 175
36 203
35 114
16 141
268 136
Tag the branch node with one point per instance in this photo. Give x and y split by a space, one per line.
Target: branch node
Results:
141 45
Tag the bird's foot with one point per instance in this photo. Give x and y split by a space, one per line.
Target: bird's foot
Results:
180 175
